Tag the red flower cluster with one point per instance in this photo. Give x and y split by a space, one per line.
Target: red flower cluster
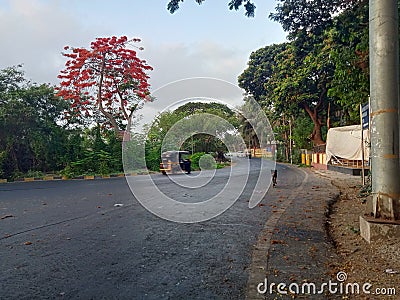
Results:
108 77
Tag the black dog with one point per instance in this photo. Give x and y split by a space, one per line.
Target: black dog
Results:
274 174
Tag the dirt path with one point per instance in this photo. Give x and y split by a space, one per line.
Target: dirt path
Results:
375 263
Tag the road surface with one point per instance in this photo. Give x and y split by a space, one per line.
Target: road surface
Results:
69 239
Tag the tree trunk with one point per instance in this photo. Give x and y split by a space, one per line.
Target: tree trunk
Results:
108 115
285 138
316 136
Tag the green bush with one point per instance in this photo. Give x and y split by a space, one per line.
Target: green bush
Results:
223 165
194 158
68 172
206 161
153 161
36 174
99 162
153 157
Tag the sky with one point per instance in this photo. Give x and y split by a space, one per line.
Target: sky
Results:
205 40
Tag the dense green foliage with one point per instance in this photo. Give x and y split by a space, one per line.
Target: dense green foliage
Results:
100 154
321 72
30 138
200 142
318 78
34 139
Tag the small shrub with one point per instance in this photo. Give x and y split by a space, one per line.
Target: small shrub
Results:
202 160
207 162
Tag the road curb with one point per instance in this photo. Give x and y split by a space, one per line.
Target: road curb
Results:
83 177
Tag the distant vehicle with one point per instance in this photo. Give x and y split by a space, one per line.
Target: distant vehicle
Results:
174 162
235 154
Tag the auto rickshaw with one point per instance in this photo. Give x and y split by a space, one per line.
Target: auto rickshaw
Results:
174 162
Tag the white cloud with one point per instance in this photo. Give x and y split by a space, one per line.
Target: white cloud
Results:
34 34
177 61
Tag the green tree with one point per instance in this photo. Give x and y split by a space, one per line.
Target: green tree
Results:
305 16
260 69
199 142
30 137
290 76
346 43
156 133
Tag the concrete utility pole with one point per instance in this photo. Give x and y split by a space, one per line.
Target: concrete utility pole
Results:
384 90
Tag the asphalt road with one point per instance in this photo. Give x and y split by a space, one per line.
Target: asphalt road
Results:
67 239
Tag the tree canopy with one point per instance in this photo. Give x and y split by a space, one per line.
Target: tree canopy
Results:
107 79
29 137
199 142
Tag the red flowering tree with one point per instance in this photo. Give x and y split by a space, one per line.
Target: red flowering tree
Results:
108 79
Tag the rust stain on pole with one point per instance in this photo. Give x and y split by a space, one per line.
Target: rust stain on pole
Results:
383 111
391 156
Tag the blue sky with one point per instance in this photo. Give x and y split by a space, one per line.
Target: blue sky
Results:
207 40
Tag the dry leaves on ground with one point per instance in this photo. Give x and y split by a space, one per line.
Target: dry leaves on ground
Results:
375 263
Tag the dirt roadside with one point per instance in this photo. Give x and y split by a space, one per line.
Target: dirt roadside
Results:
375 263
